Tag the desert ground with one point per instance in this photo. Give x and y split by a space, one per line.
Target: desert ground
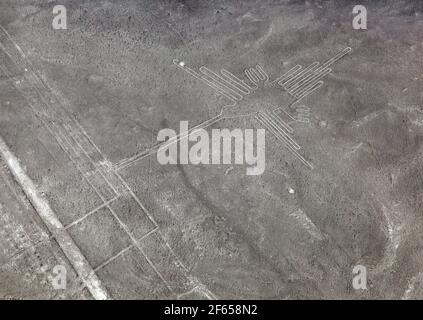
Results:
81 108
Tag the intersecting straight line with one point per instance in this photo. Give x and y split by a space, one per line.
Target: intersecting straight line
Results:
66 126
113 258
88 275
48 216
56 134
91 275
117 255
103 205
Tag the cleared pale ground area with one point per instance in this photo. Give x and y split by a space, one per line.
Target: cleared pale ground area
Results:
80 107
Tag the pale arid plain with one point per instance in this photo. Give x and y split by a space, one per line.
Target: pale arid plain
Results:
81 107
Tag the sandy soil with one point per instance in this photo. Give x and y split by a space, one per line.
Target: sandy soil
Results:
77 103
